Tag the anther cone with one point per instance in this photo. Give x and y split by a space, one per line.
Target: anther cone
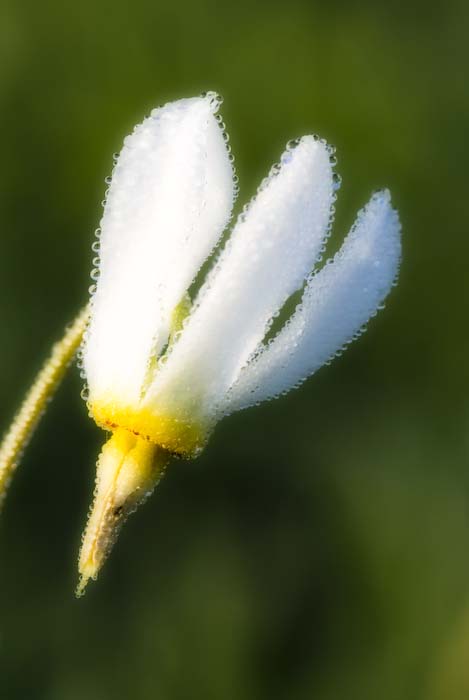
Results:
128 469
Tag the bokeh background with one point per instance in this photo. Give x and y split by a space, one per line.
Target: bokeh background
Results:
320 546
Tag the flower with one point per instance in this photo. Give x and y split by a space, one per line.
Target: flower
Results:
161 368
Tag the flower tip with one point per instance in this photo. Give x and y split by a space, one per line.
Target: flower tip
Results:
81 587
382 196
307 153
128 469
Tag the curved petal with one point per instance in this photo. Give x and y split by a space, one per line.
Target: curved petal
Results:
336 303
274 245
170 198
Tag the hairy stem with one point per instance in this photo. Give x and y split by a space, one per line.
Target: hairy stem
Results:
42 389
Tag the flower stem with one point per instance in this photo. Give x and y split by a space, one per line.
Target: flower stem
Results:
42 389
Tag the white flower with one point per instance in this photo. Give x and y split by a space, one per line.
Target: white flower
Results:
162 369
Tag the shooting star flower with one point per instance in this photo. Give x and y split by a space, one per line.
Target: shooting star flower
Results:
162 368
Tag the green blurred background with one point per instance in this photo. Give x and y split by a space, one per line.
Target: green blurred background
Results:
320 546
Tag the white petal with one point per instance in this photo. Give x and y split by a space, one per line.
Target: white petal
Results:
337 301
170 198
273 247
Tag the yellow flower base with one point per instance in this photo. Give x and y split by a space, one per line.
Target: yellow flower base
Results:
172 434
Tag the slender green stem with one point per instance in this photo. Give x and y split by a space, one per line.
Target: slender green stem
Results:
43 387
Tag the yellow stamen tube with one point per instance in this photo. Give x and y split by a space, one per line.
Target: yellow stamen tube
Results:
129 467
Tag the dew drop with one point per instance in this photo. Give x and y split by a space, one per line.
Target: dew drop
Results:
293 143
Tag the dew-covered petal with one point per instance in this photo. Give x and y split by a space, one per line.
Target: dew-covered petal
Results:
337 302
273 247
169 199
